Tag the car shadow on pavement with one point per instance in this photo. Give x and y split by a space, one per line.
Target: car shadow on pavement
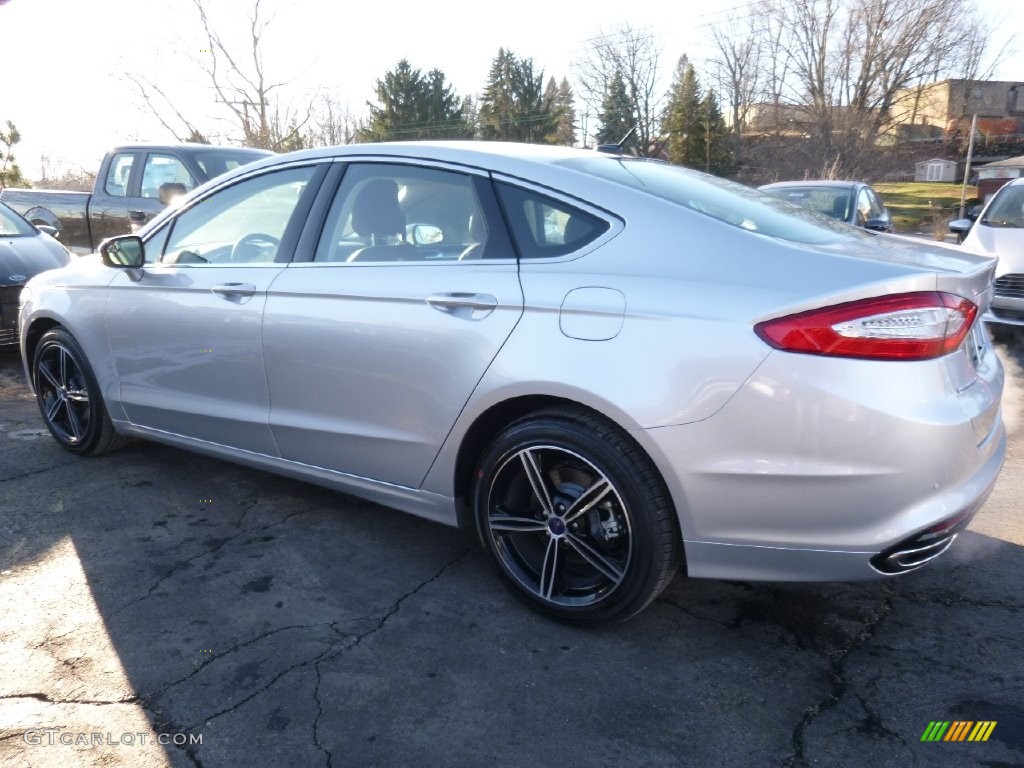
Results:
161 595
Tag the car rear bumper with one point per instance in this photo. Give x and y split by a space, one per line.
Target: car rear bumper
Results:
819 465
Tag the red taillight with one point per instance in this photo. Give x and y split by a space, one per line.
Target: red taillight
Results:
905 326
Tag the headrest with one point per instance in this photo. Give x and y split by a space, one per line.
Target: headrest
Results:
376 210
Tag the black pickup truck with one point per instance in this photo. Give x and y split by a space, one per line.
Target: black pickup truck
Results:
134 183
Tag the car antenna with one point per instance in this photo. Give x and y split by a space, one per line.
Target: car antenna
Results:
618 148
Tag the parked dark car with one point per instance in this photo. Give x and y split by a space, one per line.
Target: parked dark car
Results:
854 202
134 183
25 251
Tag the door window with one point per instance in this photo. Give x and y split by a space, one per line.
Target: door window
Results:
387 212
165 177
118 173
242 224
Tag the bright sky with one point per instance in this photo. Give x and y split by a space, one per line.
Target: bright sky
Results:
64 61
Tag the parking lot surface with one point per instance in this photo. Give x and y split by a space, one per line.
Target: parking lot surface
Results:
163 608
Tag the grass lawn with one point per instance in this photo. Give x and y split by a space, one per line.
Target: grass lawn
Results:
919 206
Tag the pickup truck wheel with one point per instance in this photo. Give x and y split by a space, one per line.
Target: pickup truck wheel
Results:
69 396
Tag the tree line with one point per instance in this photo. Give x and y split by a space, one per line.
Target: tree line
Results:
837 69
619 96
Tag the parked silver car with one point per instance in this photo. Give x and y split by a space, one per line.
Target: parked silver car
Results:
609 367
999 232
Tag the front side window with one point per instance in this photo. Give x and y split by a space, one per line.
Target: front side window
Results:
164 177
118 173
241 224
387 212
12 225
868 207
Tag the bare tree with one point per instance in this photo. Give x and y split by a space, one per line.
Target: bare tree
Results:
737 68
634 55
332 124
160 104
838 68
245 88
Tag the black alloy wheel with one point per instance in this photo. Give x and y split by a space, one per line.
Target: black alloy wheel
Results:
575 517
69 398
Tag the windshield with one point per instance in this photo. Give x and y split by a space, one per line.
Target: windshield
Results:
214 162
1007 210
828 201
735 204
12 225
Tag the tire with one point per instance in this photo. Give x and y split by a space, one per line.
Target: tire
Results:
69 397
575 517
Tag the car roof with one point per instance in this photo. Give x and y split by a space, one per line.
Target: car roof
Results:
539 163
813 183
187 147
452 150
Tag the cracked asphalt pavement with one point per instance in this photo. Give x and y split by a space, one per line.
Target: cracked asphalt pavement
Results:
159 608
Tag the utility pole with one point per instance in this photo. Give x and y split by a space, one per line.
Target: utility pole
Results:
967 168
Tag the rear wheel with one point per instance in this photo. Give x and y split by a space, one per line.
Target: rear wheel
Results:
575 517
69 396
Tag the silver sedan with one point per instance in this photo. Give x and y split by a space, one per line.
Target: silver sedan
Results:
610 368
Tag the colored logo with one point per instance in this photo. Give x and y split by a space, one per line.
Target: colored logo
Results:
958 730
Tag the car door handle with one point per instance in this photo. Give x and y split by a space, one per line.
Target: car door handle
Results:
234 290
452 302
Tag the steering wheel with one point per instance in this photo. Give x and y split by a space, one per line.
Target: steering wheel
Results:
253 247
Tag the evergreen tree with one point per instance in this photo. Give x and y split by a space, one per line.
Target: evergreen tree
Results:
445 110
513 106
717 142
683 123
10 173
616 114
565 103
412 106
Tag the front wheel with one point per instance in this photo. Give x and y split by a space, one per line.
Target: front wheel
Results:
69 396
575 517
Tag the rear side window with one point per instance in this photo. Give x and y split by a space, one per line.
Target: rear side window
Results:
544 227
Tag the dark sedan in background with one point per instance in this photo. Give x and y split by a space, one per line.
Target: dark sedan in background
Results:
854 202
25 251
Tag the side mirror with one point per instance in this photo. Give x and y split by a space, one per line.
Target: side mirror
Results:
124 251
426 234
877 225
960 226
46 229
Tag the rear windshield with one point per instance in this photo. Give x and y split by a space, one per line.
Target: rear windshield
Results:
214 162
1007 210
12 225
735 204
